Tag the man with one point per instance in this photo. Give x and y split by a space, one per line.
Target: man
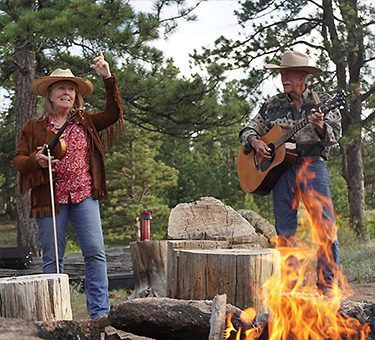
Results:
312 144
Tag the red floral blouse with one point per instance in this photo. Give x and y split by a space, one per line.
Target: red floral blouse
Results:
73 178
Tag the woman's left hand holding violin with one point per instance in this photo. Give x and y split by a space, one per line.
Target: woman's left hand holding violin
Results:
101 66
42 159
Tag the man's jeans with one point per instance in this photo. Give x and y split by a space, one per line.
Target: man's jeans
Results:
85 218
313 187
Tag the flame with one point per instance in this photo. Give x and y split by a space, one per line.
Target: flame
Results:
297 308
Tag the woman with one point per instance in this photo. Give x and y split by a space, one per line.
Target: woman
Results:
79 175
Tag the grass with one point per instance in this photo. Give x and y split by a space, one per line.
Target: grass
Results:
8 235
358 261
78 301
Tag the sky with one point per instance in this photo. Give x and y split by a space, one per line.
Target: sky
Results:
214 18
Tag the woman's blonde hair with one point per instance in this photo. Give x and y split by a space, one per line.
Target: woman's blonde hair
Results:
48 107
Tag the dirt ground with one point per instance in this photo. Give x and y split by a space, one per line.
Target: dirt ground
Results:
364 292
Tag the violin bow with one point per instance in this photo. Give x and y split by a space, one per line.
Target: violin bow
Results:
47 152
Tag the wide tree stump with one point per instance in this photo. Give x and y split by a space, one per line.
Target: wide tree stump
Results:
173 248
239 273
149 259
43 297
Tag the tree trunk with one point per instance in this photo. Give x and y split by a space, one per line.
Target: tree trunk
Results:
36 297
353 174
349 59
27 229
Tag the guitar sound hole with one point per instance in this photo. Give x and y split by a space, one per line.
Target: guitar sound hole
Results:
264 165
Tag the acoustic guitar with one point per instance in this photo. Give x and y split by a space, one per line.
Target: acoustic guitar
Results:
260 176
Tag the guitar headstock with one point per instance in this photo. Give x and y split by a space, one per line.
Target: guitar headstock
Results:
337 101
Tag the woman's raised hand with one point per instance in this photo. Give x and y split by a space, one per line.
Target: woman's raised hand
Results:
100 66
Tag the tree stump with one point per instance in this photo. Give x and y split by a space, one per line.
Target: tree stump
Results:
149 259
43 297
239 273
173 248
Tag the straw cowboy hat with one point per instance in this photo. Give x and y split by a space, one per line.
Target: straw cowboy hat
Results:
296 61
40 86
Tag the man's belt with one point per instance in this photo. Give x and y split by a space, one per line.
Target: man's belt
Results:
306 150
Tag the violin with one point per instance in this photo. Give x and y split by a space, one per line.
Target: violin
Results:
57 145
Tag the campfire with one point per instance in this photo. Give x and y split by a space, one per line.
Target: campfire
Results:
297 308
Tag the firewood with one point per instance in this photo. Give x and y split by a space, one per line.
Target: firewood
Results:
163 318
167 319
115 334
217 320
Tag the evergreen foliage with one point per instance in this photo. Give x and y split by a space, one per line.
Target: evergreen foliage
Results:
181 134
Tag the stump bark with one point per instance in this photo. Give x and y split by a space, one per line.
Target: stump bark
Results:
149 259
43 297
239 273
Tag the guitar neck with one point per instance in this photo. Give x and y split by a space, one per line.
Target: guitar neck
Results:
337 101
291 132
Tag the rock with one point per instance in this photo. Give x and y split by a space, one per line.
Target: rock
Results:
261 225
209 219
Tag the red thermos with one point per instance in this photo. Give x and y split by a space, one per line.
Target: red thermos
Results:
146 218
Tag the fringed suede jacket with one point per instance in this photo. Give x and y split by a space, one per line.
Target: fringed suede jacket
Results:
32 177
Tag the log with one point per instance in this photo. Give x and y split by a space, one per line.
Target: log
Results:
217 320
239 273
115 334
44 297
118 261
149 259
163 318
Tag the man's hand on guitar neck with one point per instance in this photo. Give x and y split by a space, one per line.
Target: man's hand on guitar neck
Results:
261 149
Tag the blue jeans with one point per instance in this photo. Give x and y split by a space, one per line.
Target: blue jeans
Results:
85 218
315 177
